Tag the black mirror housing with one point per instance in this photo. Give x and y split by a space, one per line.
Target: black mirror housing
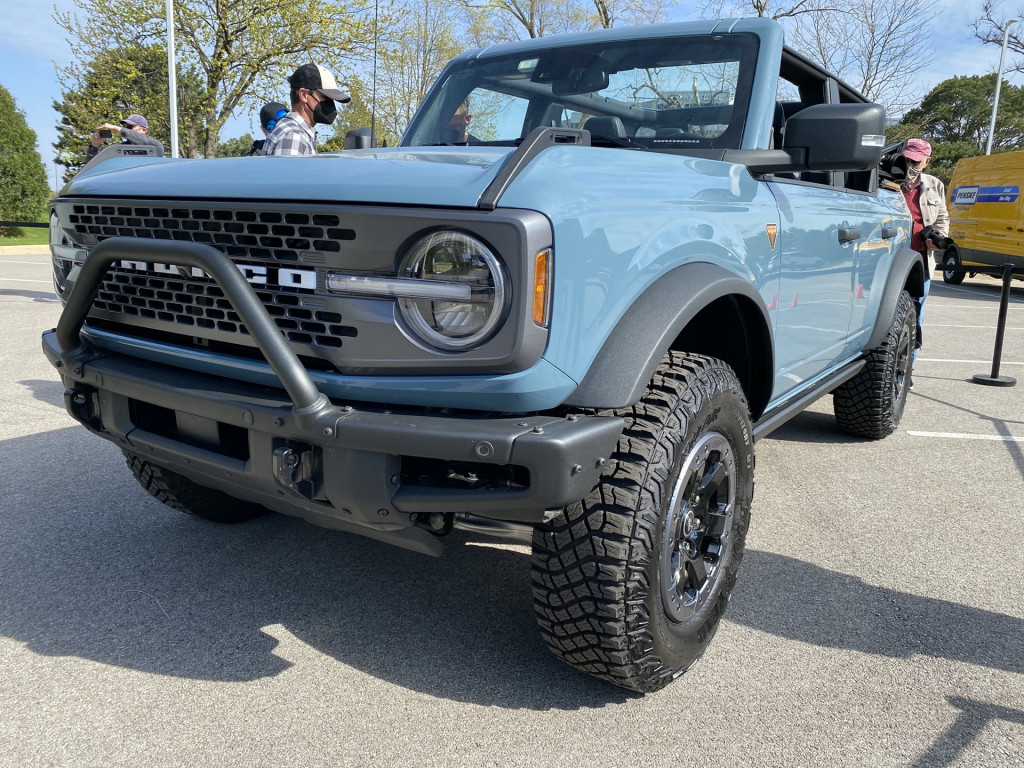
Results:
359 138
838 137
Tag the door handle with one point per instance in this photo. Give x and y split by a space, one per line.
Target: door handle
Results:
848 234
889 232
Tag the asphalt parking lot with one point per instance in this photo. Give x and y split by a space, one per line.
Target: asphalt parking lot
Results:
878 619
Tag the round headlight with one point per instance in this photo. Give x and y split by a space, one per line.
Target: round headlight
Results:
464 269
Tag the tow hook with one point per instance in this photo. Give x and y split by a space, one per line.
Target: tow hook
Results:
80 402
295 468
438 523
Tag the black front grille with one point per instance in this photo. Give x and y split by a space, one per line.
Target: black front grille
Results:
191 308
241 233
199 303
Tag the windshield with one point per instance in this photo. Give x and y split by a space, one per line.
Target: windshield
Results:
665 93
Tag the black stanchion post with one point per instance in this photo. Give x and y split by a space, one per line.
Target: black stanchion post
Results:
995 380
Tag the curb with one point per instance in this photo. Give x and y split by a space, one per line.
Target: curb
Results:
24 250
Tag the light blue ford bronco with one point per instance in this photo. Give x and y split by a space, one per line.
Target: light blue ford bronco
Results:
568 325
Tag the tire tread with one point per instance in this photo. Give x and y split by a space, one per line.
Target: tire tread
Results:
184 495
590 563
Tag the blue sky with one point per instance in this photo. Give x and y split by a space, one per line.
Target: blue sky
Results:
31 44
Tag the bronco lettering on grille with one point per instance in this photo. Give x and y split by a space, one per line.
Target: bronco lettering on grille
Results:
303 279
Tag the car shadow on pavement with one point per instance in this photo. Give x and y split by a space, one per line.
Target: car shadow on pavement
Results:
92 567
801 601
47 391
814 427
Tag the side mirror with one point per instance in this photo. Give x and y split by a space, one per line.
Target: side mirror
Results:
359 138
838 137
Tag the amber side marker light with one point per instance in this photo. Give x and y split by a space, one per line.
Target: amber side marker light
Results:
541 280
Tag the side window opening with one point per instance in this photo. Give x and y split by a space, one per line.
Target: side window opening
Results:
800 86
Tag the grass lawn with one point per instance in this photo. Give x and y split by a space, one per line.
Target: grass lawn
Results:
32 236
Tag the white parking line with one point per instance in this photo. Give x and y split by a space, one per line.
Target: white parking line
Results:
955 289
31 263
964 436
976 328
981 302
972 362
19 280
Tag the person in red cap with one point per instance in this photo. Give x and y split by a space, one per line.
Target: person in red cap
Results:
314 92
926 199
134 129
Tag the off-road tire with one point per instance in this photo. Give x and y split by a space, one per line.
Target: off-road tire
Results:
951 258
612 573
871 403
178 492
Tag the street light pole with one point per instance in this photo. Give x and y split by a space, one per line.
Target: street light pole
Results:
172 78
999 82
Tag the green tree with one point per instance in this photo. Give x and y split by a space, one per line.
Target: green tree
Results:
118 83
946 156
409 58
954 117
410 62
24 191
356 114
235 147
241 49
960 109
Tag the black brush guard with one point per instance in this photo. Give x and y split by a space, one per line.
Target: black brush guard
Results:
359 446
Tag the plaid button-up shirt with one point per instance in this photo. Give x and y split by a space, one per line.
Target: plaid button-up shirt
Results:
291 136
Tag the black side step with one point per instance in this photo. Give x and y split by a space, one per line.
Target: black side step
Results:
774 419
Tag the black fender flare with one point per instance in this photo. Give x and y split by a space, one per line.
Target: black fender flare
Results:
627 359
902 276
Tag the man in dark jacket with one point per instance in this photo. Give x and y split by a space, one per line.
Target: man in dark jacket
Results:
134 129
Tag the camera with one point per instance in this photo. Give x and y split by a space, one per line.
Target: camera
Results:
940 242
104 133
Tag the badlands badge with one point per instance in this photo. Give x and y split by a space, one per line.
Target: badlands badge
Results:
772 230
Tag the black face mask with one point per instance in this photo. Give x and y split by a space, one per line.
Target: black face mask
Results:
325 111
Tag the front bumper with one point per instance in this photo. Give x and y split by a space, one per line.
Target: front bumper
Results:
341 465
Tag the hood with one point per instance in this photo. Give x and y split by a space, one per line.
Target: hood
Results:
438 176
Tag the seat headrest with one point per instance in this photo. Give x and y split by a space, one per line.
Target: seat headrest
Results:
610 127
